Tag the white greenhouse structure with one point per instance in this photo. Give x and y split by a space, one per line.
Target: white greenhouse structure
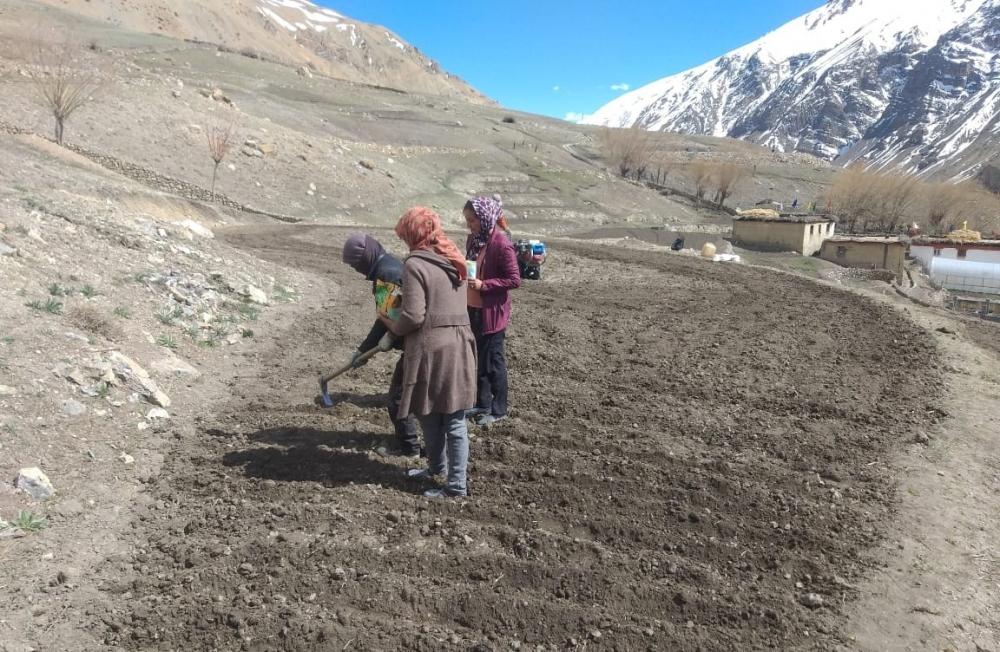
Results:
965 275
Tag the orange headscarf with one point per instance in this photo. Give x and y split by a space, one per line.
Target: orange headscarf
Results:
420 228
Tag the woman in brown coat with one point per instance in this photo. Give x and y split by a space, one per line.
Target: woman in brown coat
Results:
439 368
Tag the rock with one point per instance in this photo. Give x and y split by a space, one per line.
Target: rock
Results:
126 459
138 379
6 390
339 574
255 294
946 330
73 408
176 93
922 438
198 229
303 71
204 92
368 165
234 338
32 481
811 600
174 366
157 413
266 149
6 250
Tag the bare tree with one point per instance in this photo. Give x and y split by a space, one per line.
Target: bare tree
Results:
62 82
627 150
727 176
945 200
852 195
982 208
896 195
700 172
220 141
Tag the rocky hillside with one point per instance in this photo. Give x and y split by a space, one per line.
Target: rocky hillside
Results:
905 83
290 31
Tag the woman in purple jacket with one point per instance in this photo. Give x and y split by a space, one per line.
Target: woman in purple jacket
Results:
489 303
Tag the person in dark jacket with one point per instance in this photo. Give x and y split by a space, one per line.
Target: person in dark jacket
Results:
497 273
367 256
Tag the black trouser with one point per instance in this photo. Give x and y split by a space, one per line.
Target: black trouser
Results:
407 429
491 385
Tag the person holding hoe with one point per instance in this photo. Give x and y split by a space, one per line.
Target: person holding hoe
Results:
367 256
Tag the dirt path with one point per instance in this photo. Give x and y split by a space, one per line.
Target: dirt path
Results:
940 586
698 459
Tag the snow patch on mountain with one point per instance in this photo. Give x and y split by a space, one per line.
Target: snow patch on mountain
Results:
823 82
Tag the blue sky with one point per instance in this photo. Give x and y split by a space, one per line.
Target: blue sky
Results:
557 57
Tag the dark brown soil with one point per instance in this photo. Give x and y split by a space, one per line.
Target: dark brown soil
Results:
694 448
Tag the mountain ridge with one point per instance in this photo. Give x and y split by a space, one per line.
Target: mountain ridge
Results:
297 32
830 82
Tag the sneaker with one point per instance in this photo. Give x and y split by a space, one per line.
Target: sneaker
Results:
488 420
443 494
419 474
475 413
395 451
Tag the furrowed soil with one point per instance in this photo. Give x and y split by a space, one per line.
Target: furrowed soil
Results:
697 459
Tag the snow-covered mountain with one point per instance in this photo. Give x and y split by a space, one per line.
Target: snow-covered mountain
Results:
914 83
298 32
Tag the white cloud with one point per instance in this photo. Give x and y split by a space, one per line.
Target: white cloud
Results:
620 87
555 89
573 116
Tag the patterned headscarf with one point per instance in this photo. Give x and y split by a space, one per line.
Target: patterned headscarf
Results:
489 210
420 228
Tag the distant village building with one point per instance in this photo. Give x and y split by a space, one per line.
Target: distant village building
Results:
770 204
800 233
866 253
967 266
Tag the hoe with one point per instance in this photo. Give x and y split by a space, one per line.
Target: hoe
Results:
324 394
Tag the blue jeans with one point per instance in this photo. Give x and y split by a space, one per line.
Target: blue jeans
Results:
447 440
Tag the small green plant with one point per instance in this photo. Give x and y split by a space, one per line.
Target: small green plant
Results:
7 340
249 312
21 229
57 290
123 312
207 343
50 306
169 316
29 521
33 204
103 391
247 333
192 331
88 291
9 428
284 293
166 342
